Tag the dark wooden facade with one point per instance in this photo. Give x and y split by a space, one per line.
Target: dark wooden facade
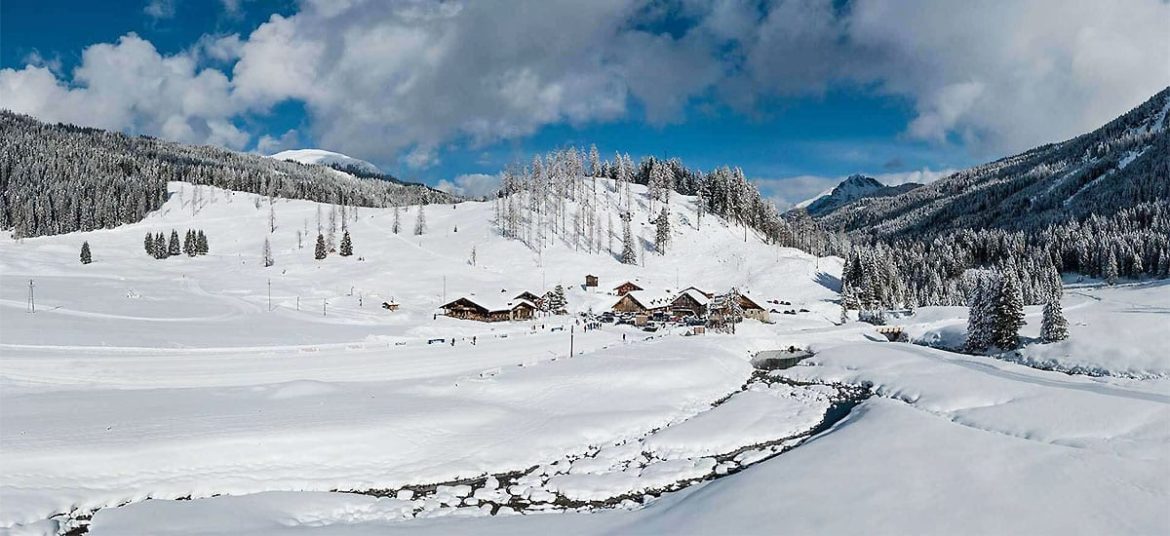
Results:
590 281
685 305
626 288
467 309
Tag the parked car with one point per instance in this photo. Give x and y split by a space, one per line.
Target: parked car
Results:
651 327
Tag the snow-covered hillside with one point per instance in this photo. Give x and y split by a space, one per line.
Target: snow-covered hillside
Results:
192 377
326 158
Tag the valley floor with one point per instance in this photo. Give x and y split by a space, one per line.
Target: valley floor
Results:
138 382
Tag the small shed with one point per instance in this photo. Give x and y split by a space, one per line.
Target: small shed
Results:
590 280
626 288
390 305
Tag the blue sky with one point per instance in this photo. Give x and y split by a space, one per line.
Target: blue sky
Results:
798 94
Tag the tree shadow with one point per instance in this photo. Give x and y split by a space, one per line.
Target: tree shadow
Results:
828 281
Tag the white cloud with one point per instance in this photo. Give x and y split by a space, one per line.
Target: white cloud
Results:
402 80
269 145
471 185
160 9
130 86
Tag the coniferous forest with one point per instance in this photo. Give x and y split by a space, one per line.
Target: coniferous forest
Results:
61 178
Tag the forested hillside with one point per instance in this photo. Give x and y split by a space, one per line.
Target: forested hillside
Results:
1097 205
1120 165
62 178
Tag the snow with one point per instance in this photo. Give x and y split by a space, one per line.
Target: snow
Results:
1112 331
325 158
139 378
953 444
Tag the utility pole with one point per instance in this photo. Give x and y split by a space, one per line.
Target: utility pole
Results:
572 329
324 306
298 303
270 294
32 304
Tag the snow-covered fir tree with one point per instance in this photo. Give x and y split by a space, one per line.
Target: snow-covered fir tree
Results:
420 222
174 247
86 255
1053 327
267 254
346 245
201 246
981 304
320 251
662 231
1008 314
629 255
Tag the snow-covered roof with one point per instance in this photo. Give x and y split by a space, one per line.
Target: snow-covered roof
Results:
696 295
495 304
650 299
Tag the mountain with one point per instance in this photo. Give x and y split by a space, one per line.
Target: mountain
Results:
1120 165
326 158
62 178
851 189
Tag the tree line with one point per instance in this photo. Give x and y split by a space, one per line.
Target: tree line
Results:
62 178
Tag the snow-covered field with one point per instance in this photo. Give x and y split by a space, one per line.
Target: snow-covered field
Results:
139 378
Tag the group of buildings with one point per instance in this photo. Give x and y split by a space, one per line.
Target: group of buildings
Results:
632 299
690 301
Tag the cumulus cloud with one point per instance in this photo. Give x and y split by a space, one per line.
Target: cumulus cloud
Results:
406 80
130 86
471 185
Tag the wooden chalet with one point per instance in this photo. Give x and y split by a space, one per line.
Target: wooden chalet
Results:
626 288
533 298
590 280
642 302
709 295
483 310
690 302
752 309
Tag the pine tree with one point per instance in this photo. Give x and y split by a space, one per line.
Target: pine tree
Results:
160 246
268 260
1111 268
981 305
420 223
662 231
1053 327
271 216
346 245
201 242
86 257
472 260
173 247
148 245
397 225
320 252
555 300
629 255
1009 315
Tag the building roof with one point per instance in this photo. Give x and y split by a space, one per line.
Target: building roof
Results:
492 304
753 301
649 299
624 283
695 294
